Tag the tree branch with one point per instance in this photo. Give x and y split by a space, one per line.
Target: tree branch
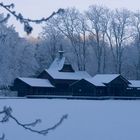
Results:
7 112
25 21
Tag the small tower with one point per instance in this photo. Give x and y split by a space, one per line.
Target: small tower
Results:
61 52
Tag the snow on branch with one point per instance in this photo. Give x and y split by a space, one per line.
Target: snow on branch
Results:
7 112
2 137
26 21
5 19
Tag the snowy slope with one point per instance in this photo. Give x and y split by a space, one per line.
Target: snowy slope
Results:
88 120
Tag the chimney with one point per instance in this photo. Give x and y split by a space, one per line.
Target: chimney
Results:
61 52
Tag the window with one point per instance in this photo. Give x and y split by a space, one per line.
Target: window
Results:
80 90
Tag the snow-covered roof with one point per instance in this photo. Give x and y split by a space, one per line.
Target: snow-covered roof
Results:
100 79
57 64
134 83
35 82
77 75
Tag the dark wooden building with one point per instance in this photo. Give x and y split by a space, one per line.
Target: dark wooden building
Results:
85 87
60 76
134 88
101 85
62 80
33 86
118 86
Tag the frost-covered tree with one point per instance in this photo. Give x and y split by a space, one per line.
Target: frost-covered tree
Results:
15 53
98 22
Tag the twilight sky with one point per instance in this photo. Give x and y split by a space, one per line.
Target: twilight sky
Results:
42 8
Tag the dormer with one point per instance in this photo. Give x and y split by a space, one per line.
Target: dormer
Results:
67 68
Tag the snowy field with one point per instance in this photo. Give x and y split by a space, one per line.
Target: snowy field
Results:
88 120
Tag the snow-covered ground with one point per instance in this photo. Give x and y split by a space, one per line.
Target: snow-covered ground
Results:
88 120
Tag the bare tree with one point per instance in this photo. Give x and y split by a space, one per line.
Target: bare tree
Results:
66 23
97 17
118 35
136 27
73 26
81 38
53 38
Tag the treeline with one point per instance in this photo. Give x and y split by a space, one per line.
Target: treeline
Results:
98 40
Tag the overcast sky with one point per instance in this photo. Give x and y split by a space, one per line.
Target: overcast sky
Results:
42 8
